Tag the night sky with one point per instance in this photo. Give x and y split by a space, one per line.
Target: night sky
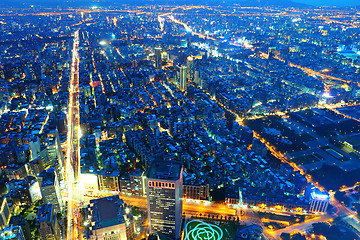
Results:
339 3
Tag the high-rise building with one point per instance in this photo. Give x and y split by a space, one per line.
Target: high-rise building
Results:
53 147
36 166
12 233
164 198
190 68
35 147
50 189
18 220
158 58
183 78
49 228
110 218
246 135
4 213
197 77
259 148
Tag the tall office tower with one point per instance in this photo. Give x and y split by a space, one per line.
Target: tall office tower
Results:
50 189
190 68
110 218
164 198
49 228
183 78
34 147
12 233
158 58
4 213
197 77
53 146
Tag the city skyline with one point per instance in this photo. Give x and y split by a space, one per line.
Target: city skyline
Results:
105 3
184 122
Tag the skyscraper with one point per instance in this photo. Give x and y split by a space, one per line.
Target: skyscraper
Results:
183 77
49 228
190 68
158 58
50 189
164 198
4 213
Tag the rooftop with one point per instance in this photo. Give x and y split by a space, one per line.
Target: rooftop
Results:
11 232
109 173
48 177
108 211
168 170
45 213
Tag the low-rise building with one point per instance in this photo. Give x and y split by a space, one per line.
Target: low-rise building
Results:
200 192
319 202
109 180
110 218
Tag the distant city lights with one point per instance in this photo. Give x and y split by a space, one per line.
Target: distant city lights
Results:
327 95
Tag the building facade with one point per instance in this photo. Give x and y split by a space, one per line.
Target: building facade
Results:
158 58
49 228
5 214
12 233
183 77
50 189
200 192
164 198
109 180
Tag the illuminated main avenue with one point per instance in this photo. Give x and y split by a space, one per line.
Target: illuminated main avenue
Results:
72 166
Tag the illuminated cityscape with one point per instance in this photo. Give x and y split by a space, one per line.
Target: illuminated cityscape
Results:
192 121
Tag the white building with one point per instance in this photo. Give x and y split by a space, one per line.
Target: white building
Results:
319 202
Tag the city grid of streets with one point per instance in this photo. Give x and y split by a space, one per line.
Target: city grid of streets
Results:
171 18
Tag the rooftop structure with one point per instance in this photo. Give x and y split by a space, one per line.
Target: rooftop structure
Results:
166 170
12 233
164 198
110 216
